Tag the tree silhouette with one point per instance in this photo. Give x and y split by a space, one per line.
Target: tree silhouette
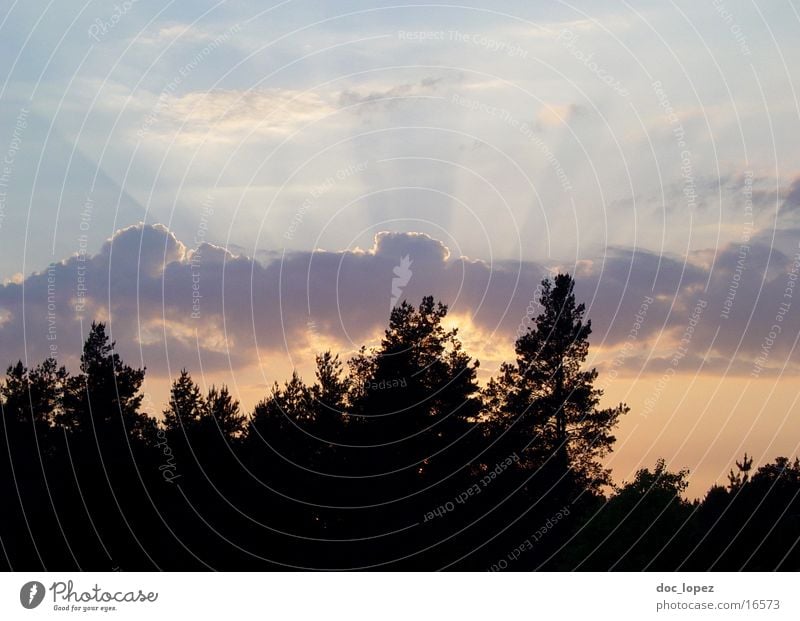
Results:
186 406
548 400
105 397
222 414
742 475
642 526
34 399
415 396
330 394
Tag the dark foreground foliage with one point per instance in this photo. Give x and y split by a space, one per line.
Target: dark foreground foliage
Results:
395 459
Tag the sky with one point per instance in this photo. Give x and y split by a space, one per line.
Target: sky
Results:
234 186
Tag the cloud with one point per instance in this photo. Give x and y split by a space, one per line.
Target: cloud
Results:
169 306
171 33
792 201
356 97
742 296
229 115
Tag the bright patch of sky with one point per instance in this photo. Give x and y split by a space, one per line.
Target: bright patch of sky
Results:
516 130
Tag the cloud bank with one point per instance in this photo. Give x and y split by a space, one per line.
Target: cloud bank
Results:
735 311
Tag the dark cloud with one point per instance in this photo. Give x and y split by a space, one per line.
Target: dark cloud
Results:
764 195
351 97
168 305
792 200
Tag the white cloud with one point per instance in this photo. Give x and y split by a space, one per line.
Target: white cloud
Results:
229 116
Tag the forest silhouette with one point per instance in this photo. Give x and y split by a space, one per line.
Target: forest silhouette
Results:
394 459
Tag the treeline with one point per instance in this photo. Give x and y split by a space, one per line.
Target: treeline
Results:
394 459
